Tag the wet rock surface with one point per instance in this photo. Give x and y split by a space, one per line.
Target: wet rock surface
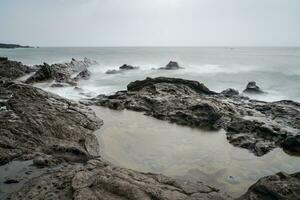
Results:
13 69
62 73
100 180
122 69
255 125
278 186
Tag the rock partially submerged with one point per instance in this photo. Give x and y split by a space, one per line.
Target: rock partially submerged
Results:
62 73
172 65
253 88
279 186
230 92
83 75
122 69
13 69
254 125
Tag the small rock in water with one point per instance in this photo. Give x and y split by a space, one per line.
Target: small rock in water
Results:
172 65
253 88
122 68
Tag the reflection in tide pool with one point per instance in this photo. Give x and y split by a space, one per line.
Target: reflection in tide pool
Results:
133 140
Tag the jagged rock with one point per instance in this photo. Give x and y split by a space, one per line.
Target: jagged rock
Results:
171 66
253 88
37 121
255 125
230 92
122 68
85 75
61 73
12 69
280 186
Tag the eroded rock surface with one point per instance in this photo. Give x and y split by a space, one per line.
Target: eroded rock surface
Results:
62 73
13 69
33 121
100 180
280 186
254 125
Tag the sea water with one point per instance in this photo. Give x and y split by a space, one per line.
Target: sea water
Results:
276 70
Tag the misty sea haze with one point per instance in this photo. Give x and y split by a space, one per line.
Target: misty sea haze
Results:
275 69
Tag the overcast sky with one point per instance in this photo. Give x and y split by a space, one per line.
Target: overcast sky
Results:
150 22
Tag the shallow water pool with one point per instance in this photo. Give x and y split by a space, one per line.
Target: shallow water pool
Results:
132 140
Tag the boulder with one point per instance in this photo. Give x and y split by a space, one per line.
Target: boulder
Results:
230 92
253 88
279 186
171 66
122 68
84 75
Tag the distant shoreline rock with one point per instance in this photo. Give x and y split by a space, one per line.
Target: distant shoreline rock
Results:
13 46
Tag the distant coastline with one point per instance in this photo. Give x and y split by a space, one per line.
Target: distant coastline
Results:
13 46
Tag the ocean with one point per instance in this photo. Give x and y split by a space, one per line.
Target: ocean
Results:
276 70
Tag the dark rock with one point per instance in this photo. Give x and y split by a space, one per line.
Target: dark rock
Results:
230 92
127 67
171 66
253 88
62 73
11 181
280 186
39 122
123 68
292 144
193 85
85 75
255 125
12 69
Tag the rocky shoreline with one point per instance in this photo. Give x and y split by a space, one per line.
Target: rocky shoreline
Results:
56 136
255 125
